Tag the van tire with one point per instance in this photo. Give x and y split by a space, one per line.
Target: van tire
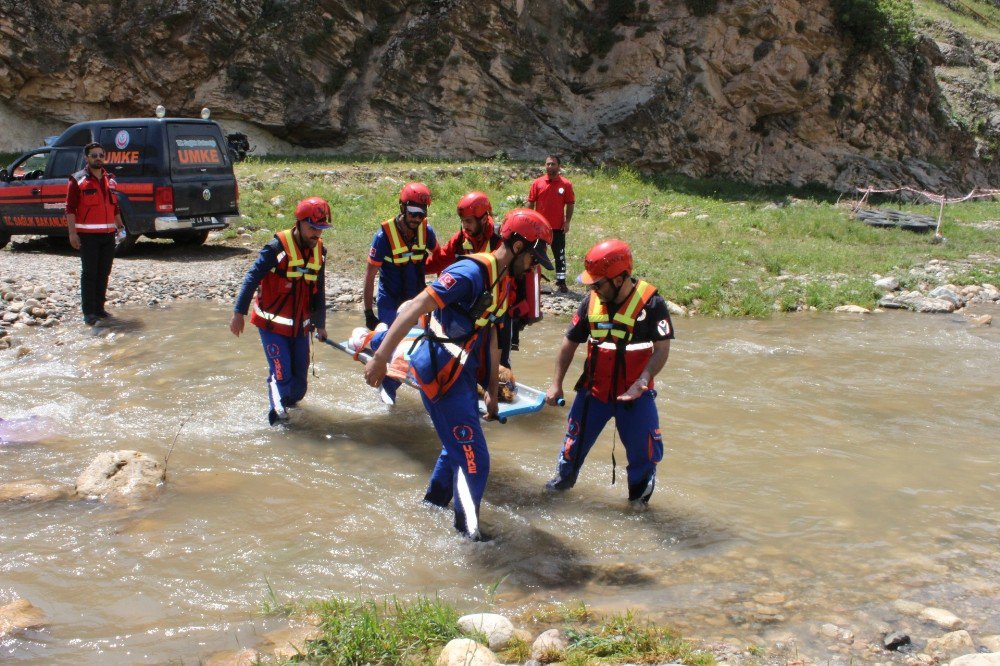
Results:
125 246
4 239
192 238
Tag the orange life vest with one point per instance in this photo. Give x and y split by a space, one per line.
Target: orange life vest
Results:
614 362
457 351
95 211
284 300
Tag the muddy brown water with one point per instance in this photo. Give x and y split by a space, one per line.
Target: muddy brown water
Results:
817 468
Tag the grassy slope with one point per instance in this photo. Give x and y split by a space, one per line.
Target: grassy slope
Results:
727 262
980 20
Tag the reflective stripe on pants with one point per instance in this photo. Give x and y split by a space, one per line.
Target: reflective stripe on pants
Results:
464 464
638 425
288 364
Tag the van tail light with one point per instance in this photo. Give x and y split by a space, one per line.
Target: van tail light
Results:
164 199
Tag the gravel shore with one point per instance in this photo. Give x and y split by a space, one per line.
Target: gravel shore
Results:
40 280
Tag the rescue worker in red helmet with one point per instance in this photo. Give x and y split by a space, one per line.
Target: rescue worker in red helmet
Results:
397 255
468 300
627 328
289 303
478 233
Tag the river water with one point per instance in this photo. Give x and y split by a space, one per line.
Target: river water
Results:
817 468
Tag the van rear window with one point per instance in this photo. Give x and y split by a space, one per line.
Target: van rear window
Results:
197 151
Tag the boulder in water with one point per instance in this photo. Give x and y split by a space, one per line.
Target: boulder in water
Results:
19 615
120 475
33 490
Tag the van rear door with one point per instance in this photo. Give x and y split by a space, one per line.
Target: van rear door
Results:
125 151
201 172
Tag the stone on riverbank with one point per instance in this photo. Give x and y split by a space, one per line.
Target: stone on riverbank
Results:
20 615
857 309
466 652
498 630
120 475
286 643
953 643
986 659
887 284
33 490
550 646
941 617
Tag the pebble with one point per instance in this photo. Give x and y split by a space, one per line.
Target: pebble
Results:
941 617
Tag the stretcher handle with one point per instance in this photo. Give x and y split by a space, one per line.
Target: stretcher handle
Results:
361 355
367 357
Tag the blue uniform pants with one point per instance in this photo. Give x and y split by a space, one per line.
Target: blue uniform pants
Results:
639 428
464 464
288 361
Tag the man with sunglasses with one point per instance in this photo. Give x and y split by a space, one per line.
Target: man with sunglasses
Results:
290 272
627 328
468 300
93 218
397 255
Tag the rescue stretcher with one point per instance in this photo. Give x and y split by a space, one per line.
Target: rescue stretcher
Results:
527 399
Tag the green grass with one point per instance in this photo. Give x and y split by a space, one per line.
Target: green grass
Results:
381 633
413 632
624 639
979 19
717 246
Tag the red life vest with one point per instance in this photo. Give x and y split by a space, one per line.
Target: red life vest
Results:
401 253
284 300
458 350
98 203
614 362
489 242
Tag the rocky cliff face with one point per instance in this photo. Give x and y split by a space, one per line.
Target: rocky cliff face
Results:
766 91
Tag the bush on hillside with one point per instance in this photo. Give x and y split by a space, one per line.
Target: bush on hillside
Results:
874 23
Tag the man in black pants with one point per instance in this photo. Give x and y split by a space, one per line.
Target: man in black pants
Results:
93 218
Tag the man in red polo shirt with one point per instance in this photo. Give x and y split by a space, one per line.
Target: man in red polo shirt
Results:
93 218
552 196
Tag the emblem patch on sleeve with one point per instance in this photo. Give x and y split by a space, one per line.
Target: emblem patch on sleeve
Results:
663 328
447 280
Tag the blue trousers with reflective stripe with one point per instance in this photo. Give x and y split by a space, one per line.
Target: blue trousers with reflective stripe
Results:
288 360
464 464
638 426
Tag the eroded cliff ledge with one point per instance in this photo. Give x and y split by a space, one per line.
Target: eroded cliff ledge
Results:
765 91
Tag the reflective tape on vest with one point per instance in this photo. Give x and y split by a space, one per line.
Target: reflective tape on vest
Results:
107 226
401 253
277 319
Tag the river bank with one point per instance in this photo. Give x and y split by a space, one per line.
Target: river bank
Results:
39 282
883 428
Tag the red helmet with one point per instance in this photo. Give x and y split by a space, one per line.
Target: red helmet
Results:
607 259
474 204
530 226
315 211
415 193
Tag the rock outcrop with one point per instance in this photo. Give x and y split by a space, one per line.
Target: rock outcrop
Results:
120 476
771 92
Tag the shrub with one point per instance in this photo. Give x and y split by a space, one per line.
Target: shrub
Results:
702 7
521 72
876 23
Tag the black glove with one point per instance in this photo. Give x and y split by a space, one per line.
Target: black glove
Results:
371 321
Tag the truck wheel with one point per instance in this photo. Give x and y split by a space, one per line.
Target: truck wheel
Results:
124 246
193 238
4 239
